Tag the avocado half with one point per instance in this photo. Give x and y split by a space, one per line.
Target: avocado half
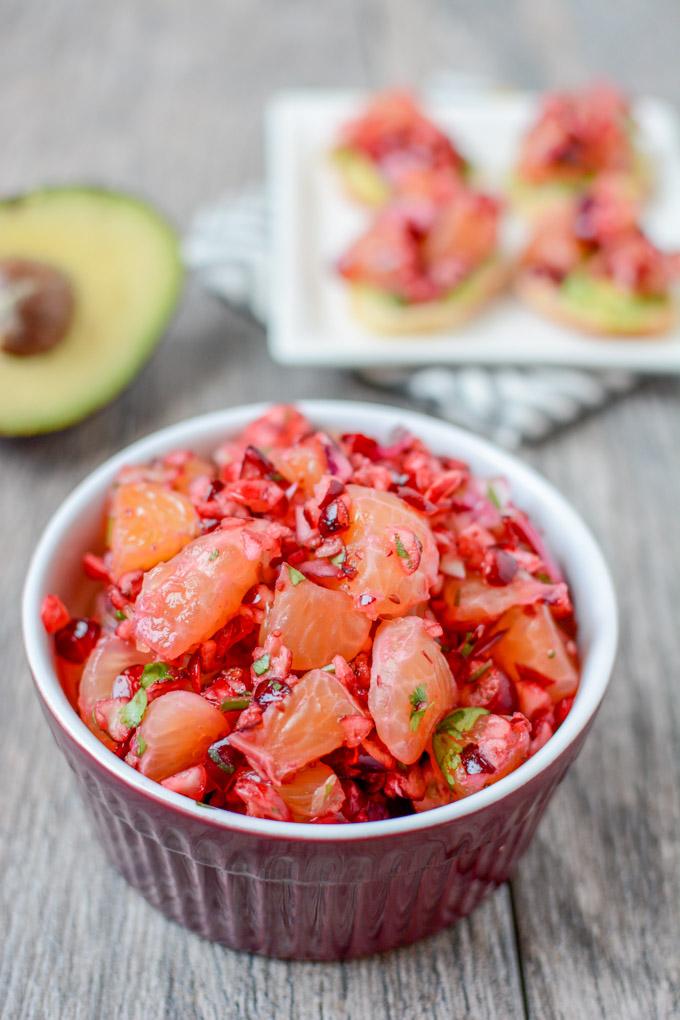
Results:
122 259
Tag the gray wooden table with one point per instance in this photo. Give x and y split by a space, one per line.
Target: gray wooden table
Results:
165 97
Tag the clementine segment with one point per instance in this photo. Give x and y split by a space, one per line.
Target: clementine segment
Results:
411 686
110 657
187 599
313 792
315 623
392 550
472 601
149 523
534 649
303 727
176 732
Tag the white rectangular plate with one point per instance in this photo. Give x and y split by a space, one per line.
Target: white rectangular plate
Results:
314 222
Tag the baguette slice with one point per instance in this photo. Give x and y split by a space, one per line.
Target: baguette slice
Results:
381 313
596 306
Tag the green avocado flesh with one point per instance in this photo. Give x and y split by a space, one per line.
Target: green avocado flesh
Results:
123 262
605 306
361 177
537 197
468 289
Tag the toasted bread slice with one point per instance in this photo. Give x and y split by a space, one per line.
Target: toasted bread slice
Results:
594 306
382 313
360 178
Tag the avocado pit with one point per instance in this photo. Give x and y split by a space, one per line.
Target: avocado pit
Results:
37 304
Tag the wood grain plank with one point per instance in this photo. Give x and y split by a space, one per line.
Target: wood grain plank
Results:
597 895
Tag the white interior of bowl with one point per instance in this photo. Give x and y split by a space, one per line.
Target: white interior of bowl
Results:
75 528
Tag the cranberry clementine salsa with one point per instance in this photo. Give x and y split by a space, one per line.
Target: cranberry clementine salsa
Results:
319 628
589 263
393 137
576 137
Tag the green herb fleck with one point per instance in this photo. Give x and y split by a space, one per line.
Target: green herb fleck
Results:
261 665
493 496
461 720
418 696
481 671
418 699
340 558
295 575
414 721
551 653
214 554
401 551
447 753
542 576
467 645
216 757
154 673
120 615
236 704
140 746
131 714
449 740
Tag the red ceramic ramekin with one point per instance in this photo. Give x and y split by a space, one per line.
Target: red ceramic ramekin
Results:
304 891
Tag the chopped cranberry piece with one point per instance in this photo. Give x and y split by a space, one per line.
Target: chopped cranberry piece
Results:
491 689
226 757
216 486
126 683
268 692
214 651
256 465
209 524
53 613
361 678
486 642
230 690
130 584
499 567
473 761
193 670
297 556
334 488
334 518
107 715
178 682
75 641
95 568
359 443
415 499
259 495
562 709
